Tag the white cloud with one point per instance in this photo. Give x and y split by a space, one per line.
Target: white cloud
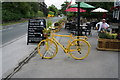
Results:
57 3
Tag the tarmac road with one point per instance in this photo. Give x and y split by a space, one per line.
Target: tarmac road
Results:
17 30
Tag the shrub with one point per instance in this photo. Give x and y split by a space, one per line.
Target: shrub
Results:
106 35
10 16
49 23
40 14
12 11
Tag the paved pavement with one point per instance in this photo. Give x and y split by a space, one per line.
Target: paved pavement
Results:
14 53
0 54
99 64
13 46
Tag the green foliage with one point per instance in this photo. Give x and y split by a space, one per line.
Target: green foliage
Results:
53 9
51 13
105 5
40 14
46 32
70 14
106 35
12 11
64 19
49 23
58 23
9 16
89 14
64 6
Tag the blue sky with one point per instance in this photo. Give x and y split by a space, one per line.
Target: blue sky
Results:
57 3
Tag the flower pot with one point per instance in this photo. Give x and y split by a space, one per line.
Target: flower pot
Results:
108 44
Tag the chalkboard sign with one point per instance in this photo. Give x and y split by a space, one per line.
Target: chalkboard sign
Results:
35 27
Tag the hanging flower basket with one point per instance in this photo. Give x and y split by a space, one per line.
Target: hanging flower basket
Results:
46 32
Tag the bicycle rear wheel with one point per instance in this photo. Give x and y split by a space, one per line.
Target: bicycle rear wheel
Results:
79 49
47 49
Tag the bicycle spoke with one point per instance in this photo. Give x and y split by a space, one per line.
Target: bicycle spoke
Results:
79 52
51 51
48 50
45 54
79 49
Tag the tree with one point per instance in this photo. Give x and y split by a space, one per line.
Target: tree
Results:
43 8
64 6
104 5
88 14
12 11
53 9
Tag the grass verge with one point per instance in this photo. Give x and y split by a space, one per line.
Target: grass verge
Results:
10 23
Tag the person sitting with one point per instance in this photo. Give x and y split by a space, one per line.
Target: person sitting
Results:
103 26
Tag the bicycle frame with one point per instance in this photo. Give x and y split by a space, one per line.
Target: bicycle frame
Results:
77 42
65 49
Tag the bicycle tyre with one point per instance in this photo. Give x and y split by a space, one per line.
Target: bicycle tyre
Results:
79 49
47 49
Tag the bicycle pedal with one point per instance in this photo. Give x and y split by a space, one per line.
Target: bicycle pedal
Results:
42 57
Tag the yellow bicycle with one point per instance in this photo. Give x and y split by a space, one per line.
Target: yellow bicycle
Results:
78 49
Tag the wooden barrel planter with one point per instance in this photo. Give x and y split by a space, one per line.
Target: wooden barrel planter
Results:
108 44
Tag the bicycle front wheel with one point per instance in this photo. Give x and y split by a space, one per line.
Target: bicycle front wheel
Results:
47 49
79 49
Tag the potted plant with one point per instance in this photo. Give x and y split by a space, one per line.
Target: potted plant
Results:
108 41
49 23
47 30
107 35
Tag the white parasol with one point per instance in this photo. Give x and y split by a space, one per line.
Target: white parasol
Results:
99 10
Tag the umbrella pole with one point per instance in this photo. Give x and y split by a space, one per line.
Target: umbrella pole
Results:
79 28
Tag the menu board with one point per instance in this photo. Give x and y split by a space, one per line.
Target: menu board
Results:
35 27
